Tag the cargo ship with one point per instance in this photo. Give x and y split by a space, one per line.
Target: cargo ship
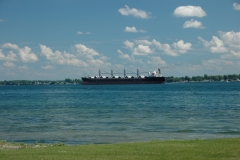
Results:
153 77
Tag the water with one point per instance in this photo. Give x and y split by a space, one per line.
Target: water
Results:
76 114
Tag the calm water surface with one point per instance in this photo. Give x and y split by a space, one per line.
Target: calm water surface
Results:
76 114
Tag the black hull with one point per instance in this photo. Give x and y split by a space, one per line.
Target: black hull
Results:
103 81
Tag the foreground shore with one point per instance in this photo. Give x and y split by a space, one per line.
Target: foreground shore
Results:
171 149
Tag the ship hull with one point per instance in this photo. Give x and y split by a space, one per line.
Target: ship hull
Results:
105 81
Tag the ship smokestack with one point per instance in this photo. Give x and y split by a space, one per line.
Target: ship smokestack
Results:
159 71
111 72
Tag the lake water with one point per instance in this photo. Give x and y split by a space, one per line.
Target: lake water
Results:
77 114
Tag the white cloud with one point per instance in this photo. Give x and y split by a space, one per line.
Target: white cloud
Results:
231 39
189 11
84 57
134 30
142 50
134 12
125 56
25 53
229 43
10 57
47 67
164 47
157 61
85 51
131 29
235 54
193 24
146 47
10 45
1 20
216 64
236 6
182 47
61 58
9 65
215 45
78 32
129 44
144 42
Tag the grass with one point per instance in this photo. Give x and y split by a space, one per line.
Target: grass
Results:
172 149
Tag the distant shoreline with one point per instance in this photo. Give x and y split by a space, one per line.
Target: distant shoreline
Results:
205 78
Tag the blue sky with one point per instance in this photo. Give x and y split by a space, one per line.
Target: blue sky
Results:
58 39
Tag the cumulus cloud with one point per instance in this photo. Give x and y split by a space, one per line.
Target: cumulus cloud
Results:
146 47
9 65
156 61
164 47
227 42
216 64
125 56
131 29
134 12
193 24
10 45
134 30
83 57
231 39
236 6
61 58
9 57
85 51
144 42
1 20
78 32
88 32
182 47
215 45
189 11
25 53
142 50
129 44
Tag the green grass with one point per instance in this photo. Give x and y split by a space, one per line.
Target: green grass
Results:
172 149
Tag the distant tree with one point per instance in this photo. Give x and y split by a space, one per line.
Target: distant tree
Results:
225 77
187 78
206 77
68 80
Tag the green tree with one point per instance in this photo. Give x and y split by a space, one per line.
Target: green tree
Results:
206 77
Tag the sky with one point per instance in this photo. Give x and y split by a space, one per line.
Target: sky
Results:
58 39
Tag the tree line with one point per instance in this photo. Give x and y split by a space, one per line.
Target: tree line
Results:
206 78
41 82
